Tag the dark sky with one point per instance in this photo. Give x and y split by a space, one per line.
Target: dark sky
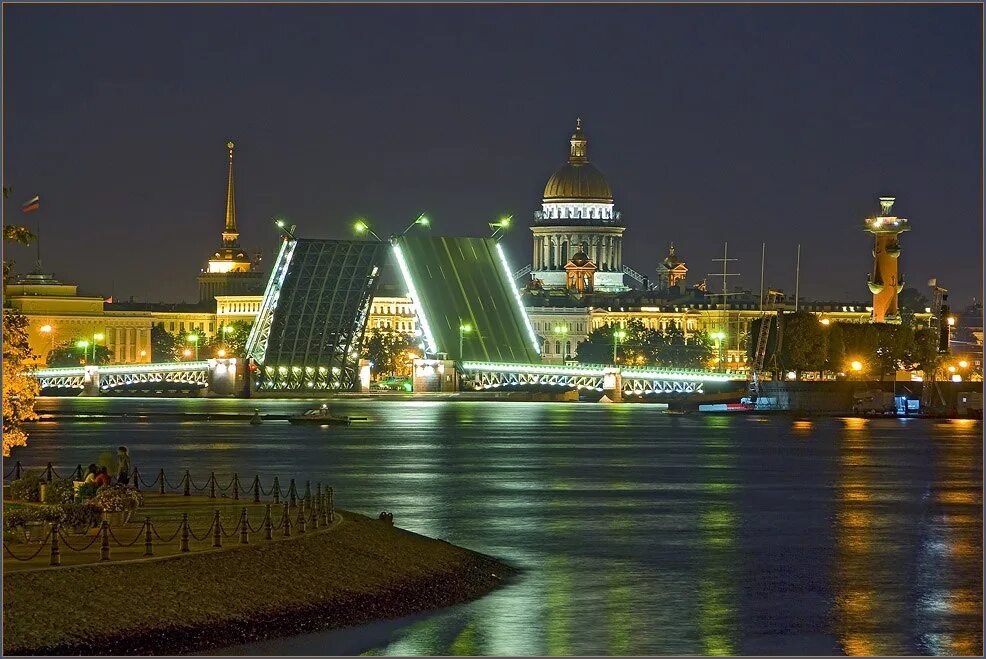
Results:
748 124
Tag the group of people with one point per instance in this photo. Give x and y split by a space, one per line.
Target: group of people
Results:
100 476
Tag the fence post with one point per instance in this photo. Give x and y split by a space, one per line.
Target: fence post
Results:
136 478
244 537
292 494
104 548
301 517
315 514
287 521
212 485
332 505
308 491
276 487
325 509
256 488
217 534
17 470
268 525
160 477
184 532
56 558
48 471
236 487
188 483
148 543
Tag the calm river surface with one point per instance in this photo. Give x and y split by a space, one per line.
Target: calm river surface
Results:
639 533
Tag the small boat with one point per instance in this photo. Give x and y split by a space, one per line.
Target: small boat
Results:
319 416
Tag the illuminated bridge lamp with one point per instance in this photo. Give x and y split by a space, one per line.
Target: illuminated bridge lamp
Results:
362 227
501 225
617 335
464 329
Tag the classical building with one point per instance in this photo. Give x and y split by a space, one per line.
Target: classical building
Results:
230 271
58 314
393 314
885 282
671 271
577 214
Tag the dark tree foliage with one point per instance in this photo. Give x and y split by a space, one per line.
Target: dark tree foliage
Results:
642 346
69 354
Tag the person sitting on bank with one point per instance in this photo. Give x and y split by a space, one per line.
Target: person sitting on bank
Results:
103 478
124 459
91 474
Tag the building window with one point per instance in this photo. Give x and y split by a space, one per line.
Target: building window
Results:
558 347
568 348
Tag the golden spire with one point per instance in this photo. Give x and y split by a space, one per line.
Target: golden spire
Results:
578 152
229 232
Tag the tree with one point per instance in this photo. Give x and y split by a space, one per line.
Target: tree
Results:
910 301
69 354
232 337
803 343
835 359
19 389
641 346
675 351
388 351
165 346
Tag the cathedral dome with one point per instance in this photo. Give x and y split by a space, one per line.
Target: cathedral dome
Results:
578 181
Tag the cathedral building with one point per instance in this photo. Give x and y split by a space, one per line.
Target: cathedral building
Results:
578 216
230 271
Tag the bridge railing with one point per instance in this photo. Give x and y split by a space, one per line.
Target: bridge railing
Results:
600 369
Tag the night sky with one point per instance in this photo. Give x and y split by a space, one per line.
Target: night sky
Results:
748 124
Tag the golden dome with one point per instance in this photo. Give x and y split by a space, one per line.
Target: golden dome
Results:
578 180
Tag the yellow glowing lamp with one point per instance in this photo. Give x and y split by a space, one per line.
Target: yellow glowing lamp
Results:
98 337
963 364
221 353
187 352
45 329
857 365
228 328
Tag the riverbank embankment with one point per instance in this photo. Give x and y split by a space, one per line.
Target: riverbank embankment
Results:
361 571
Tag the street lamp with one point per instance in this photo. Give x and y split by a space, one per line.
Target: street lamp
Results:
856 366
501 225
362 227
719 337
82 343
194 338
283 226
617 335
560 331
420 219
98 336
464 328
49 330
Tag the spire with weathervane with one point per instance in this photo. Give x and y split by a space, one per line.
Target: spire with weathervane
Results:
230 234
578 152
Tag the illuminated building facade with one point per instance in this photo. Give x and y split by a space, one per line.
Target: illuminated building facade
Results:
230 271
885 282
577 213
392 314
671 271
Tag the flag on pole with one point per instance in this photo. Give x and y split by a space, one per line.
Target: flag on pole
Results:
32 204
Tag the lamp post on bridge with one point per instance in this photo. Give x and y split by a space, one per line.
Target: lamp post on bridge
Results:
464 328
617 335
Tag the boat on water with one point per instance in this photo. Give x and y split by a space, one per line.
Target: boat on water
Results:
319 416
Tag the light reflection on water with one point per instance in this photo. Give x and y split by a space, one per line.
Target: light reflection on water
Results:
638 533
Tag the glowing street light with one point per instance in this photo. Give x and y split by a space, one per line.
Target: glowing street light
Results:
951 321
194 338
824 321
360 226
187 352
856 366
719 337
421 220
228 329
50 331
464 329
501 225
220 353
963 364
283 226
617 335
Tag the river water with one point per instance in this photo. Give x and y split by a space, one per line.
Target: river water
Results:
639 533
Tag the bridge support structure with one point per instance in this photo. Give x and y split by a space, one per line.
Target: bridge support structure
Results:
219 377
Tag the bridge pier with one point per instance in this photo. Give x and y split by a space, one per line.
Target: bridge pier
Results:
90 382
613 384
